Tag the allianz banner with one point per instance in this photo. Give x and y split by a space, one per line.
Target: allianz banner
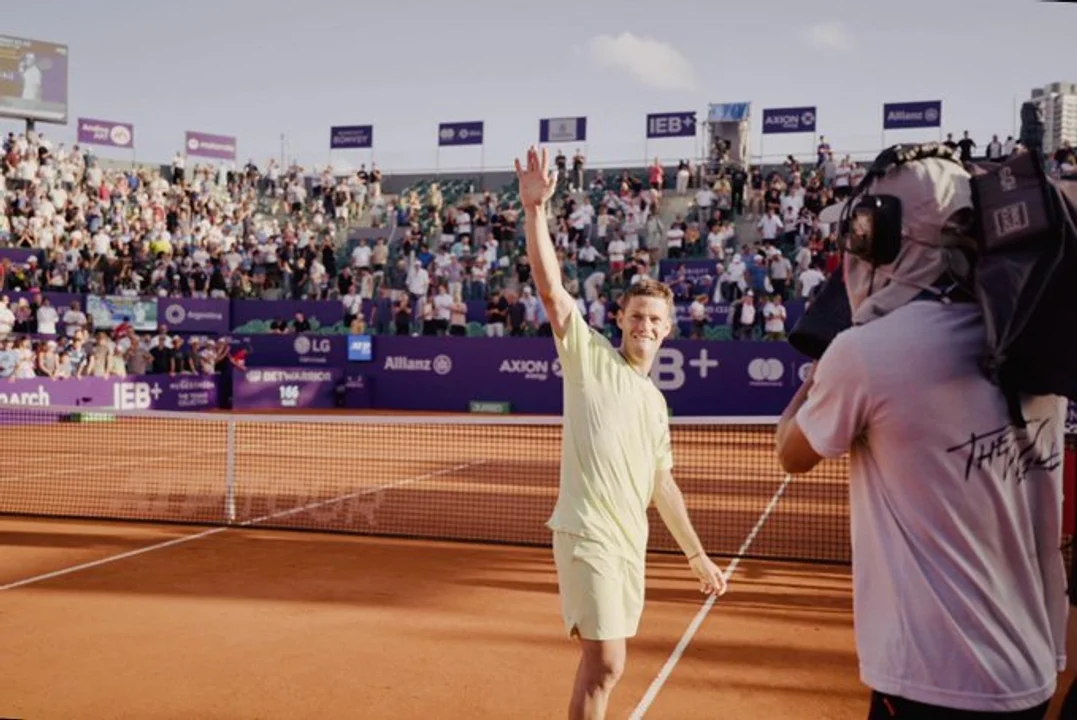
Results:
696 377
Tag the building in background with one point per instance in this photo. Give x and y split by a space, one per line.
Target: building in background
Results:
1058 107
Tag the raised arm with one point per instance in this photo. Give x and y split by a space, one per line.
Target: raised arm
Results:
536 189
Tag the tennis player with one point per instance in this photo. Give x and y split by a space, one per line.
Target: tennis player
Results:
960 600
616 460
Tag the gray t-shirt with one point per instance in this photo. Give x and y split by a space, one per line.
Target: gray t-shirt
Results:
959 583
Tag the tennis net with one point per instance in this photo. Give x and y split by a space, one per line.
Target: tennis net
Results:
469 478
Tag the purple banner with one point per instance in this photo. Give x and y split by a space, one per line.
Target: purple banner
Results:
788 120
221 147
251 317
674 124
563 130
19 256
141 392
194 315
106 132
906 115
697 377
286 388
460 133
295 350
351 136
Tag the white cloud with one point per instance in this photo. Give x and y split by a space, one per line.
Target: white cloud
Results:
828 36
652 63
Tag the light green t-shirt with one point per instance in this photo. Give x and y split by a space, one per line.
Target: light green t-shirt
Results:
615 438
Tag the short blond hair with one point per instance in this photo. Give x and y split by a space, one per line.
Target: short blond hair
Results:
647 287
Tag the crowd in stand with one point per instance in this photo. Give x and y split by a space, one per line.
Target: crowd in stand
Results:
278 234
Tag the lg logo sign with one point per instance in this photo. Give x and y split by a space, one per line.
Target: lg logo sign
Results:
668 372
304 345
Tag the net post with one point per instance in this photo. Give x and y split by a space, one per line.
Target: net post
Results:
230 475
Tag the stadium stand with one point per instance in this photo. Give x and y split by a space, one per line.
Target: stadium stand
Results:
406 262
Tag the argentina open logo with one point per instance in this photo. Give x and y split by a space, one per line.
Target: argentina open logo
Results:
120 135
175 314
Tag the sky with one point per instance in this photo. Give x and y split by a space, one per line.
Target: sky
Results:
262 70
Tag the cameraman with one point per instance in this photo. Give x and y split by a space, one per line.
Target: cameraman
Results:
956 515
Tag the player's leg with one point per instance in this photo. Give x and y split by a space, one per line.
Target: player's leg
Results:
602 601
602 663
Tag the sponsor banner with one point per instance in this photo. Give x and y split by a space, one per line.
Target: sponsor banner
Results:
108 311
138 392
906 115
287 388
671 124
251 317
295 350
221 147
563 130
788 120
460 133
351 136
19 256
33 79
697 377
728 112
360 348
194 315
106 132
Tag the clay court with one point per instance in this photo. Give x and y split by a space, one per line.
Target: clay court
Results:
384 567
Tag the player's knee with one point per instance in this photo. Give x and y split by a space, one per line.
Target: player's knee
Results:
604 669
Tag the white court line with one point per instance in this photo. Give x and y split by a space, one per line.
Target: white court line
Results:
247 523
693 627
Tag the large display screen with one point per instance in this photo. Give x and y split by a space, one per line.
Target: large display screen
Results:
33 80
